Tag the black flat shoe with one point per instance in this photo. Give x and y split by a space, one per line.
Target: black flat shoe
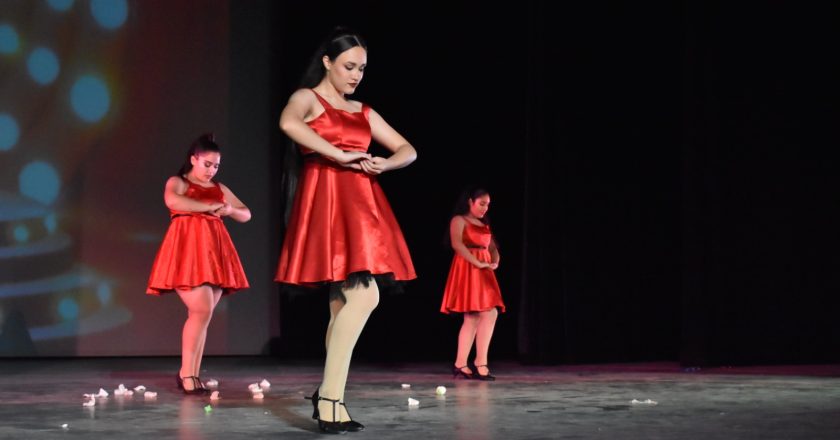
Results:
459 371
487 377
352 425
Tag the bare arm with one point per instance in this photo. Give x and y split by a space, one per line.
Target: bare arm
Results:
173 196
293 123
234 208
494 254
403 154
456 231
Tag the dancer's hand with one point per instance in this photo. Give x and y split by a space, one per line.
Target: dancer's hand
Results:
214 208
493 266
483 265
351 159
375 165
223 210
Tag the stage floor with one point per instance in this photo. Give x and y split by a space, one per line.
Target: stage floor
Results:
43 399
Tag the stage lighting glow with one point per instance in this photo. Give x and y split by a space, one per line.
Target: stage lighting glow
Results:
68 309
21 233
110 14
43 65
39 181
103 292
9 41
9 132
50 223
60 5
90 98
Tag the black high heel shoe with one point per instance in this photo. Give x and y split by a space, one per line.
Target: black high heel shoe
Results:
198 388
459 371
179 381
329 427
352 425
487 377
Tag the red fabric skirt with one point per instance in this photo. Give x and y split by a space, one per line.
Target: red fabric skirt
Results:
341 223
470 289
196 250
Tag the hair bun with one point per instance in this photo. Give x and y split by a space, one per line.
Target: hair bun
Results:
209 136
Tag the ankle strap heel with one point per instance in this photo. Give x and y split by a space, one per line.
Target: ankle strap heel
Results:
334 427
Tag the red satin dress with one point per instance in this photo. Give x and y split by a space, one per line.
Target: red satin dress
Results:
341 221
197 250
468 288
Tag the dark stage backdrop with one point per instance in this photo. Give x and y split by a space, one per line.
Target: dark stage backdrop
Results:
662 175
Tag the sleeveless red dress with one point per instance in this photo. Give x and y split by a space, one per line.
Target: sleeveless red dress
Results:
197 250
341 221
468 288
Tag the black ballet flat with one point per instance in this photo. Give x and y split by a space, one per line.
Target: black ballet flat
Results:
486 377
459 371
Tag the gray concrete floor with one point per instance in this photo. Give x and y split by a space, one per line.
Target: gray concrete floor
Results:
37 397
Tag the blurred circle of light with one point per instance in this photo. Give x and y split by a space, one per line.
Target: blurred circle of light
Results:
8 39
21 233
39 181
110 14
50 222
103 292
43 65
90 98
9 132
60 5
68 309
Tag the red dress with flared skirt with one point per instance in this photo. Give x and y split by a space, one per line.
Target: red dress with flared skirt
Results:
468 288
197 250
340 222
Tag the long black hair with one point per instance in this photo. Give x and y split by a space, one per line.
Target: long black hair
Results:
338 41
203 144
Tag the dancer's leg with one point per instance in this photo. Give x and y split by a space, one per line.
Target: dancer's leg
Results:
199 302
345 331
466 338
486 324
217 294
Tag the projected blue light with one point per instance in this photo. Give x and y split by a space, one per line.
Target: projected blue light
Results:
103 292
50 223
43 65
21 233
9 132
60 5
9 41
110 14
39 181
68 309
90 98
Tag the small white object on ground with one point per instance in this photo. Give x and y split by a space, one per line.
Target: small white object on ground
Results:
102 393
140 388
120 390
644 402
258 395
406 386
441 390
128 393
214 395
412 402
90 402
150 394
65 426
212 383
265 384
254 388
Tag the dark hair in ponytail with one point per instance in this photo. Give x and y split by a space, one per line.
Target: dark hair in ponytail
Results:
205 143
338 41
